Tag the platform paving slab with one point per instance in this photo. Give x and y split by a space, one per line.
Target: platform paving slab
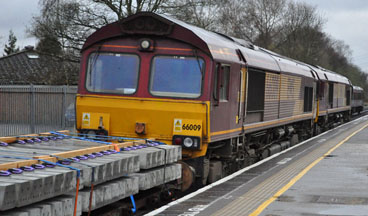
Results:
337 185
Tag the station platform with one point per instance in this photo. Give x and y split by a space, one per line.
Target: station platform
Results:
325 175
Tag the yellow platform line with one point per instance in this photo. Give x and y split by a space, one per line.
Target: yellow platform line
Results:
264 205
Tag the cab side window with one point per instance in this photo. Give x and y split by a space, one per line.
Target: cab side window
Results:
221 83
224 84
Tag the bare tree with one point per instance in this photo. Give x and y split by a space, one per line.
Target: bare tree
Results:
126 8
72 21
302 36
201 13
258 21
265 18
231 20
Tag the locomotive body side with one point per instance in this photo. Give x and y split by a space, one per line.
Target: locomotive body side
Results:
333 98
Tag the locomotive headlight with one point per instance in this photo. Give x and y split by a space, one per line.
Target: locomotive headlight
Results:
145 44
188 142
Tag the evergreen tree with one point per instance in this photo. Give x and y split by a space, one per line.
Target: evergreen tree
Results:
11 48
49 44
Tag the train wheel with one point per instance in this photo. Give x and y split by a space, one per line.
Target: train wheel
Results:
187 176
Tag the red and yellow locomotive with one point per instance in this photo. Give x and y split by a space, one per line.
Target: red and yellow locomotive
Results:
223 99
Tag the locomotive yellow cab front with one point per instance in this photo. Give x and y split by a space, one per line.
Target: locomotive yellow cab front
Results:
145 88
173 122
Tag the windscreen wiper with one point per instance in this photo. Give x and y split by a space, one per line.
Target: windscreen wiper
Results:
199 64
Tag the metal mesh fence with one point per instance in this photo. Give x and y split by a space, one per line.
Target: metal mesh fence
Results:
36 109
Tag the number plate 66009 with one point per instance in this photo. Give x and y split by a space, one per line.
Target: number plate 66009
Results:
191 127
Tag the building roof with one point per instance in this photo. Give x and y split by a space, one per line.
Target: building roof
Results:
33 67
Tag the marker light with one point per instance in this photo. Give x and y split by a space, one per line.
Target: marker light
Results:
178 141
146 45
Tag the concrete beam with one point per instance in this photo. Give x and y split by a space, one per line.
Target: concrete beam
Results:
109 192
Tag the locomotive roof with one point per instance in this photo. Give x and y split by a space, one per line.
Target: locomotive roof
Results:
357 88
326 75
223 47
219 46
334 77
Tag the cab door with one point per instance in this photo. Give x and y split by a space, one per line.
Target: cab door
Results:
242 95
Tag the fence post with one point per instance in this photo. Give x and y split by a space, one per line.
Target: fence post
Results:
33 109
63 107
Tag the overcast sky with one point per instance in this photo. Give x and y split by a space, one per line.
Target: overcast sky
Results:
16 15
347 20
